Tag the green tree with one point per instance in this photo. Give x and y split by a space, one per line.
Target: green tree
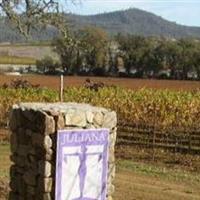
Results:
47 65
87 47
29 15
196 58
187 50
69 52
94 45
168 56
138 53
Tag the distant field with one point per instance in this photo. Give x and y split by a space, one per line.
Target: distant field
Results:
53 82
26 51
17 60
33 43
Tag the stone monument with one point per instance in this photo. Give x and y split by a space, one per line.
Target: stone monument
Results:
36 128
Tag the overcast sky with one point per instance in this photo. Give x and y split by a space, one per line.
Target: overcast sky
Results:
186 12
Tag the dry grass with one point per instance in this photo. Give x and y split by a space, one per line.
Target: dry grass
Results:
137 181
4 170
134 186
134 181
17 60
4 161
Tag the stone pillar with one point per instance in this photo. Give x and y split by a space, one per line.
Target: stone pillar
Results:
34 129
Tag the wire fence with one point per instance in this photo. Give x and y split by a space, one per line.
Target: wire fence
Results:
185 140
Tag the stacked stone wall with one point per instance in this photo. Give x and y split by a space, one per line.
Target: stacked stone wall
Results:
34 128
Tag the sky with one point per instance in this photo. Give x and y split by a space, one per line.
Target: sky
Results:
185 12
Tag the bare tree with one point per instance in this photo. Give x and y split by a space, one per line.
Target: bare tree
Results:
27 15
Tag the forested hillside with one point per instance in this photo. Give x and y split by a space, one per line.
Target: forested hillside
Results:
131 21
137 22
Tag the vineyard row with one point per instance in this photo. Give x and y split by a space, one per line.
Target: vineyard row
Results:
174 140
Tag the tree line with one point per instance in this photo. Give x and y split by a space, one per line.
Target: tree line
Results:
91 51
150 56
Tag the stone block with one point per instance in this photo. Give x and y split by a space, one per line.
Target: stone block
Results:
23 137
47 196
13 143
22 150
44 185
45 168
31 190
60 122
15 119
13 196
29 178
75 118
110 120
89 116
98 118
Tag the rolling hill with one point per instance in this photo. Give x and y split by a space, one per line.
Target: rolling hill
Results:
131 21
135 21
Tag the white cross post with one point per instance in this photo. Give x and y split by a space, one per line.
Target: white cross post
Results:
61 88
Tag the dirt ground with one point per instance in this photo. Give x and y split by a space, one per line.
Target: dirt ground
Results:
133 186
53 82
134 181
4 135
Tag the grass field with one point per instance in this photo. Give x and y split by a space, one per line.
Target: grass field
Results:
53 82
17 60
134 181
33 43
34 51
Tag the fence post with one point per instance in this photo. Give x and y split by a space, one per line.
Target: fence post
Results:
175 146
189 143
61 88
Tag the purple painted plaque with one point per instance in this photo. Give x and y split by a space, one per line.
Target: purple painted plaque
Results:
82 164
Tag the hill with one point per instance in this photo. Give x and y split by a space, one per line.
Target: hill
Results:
135 21
131 21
